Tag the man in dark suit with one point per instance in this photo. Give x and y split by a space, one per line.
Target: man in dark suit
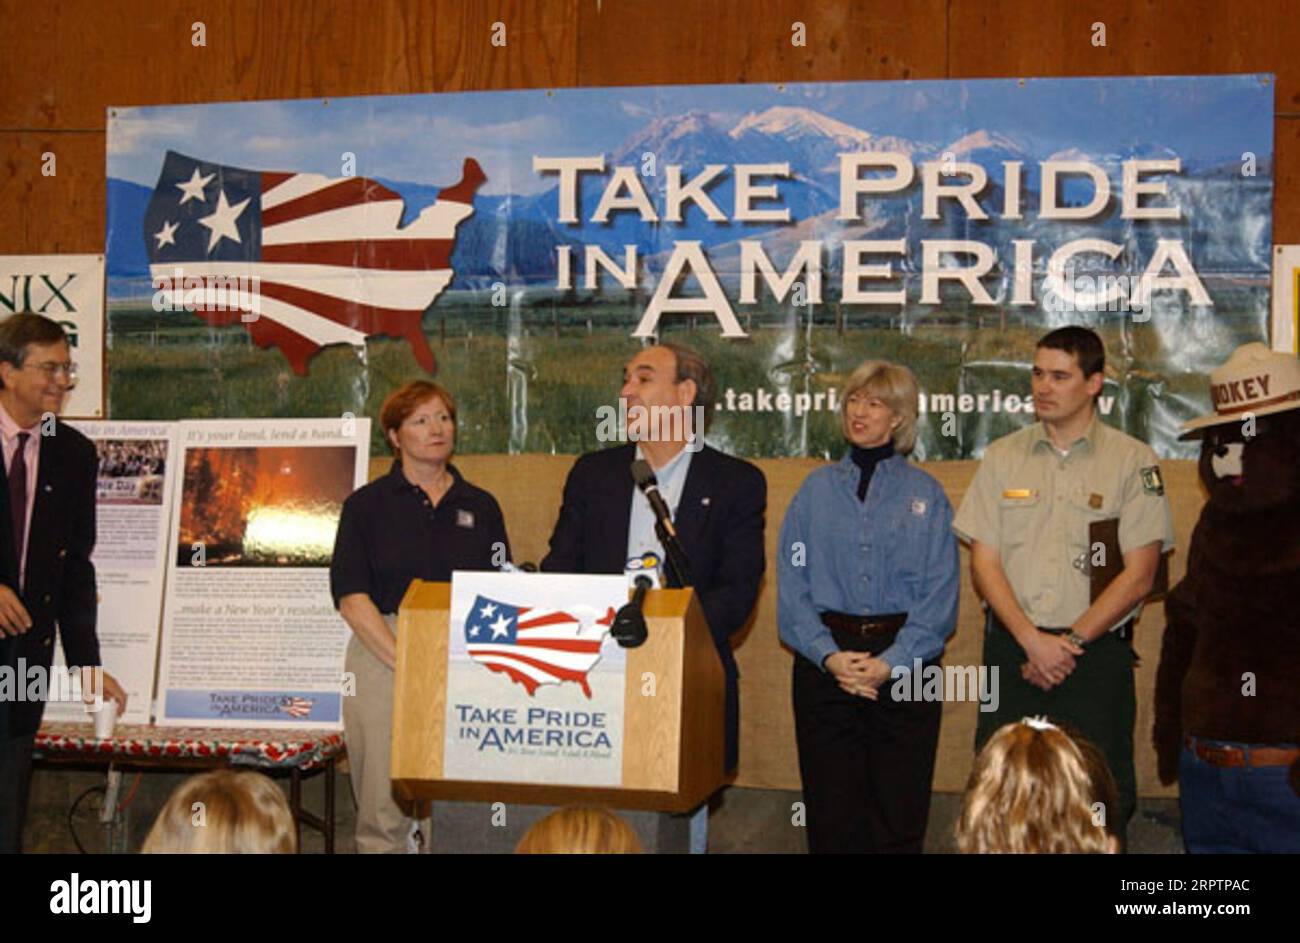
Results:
717 503
47 531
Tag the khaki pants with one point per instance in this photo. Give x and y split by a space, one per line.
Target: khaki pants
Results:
383 826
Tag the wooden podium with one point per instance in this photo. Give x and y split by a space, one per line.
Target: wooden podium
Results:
672 739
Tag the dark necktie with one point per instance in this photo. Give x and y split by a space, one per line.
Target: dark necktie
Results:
18 493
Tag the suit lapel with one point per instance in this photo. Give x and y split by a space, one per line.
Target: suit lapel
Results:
697 499
8 549
618 508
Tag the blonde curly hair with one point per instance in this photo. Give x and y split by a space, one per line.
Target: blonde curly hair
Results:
224 812
1034 790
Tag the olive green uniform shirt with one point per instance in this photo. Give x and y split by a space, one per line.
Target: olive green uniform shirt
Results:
1035 506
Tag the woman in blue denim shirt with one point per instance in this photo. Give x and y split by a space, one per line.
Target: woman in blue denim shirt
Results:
867 593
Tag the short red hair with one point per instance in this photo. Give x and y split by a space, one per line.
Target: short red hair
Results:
402 402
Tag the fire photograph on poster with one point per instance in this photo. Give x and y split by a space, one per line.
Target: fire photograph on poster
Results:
267 506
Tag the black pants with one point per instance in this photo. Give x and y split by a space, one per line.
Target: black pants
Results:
866 765
15 777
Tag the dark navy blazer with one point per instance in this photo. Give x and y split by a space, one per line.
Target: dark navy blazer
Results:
719 520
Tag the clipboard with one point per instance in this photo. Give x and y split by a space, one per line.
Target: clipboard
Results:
1106 533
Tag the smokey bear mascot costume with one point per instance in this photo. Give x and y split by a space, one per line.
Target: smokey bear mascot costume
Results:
1227 721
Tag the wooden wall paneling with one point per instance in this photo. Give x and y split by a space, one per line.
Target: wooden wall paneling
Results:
61 213
1286 180
67 62
1000 38
626 42
541 48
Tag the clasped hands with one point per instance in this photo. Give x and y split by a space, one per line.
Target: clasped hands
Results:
859 673
1051 660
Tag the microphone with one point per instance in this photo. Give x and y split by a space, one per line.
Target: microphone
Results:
628 627
678 564
645 479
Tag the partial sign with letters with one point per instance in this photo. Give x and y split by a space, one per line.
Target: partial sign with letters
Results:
68 289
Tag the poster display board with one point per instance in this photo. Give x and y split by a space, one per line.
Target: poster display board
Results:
250 633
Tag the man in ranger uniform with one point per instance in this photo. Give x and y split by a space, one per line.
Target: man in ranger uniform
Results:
1049 510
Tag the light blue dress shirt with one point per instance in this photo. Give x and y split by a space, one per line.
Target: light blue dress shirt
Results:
641 537
893 552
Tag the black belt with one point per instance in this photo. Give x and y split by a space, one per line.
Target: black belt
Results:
864 626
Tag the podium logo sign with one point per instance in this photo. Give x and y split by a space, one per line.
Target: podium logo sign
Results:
536 646
535 686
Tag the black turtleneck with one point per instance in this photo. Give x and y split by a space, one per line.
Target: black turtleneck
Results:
867 459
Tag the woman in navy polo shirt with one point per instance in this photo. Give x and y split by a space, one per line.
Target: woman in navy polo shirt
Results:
867 585
422 520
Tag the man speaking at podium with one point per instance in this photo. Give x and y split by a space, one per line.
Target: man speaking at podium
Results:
716 503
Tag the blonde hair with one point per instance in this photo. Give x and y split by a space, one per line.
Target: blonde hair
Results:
224 813
580 830
893 385
1032 791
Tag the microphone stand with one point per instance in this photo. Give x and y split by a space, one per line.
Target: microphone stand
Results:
678 566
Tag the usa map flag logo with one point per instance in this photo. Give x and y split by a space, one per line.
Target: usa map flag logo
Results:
296 707
333 264
536 646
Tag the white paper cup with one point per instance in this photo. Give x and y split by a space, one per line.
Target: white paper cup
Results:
105 719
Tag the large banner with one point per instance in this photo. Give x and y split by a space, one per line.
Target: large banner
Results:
305 257
68 289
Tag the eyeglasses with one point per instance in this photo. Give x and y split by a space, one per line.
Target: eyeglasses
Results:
52 369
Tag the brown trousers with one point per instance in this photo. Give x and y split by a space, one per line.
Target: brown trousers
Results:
383 823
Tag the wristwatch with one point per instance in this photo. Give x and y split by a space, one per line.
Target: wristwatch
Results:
1077 639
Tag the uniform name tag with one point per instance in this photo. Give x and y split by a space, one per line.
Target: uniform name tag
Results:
465 519
1019 493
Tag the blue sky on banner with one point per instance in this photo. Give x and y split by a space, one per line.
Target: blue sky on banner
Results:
423 138
416 144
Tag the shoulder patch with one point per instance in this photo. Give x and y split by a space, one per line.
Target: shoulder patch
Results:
1152 483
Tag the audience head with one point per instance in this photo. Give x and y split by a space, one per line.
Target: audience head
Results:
224 812
1034 789
580 830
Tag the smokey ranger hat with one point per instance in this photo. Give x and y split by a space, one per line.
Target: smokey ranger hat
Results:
1255 380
